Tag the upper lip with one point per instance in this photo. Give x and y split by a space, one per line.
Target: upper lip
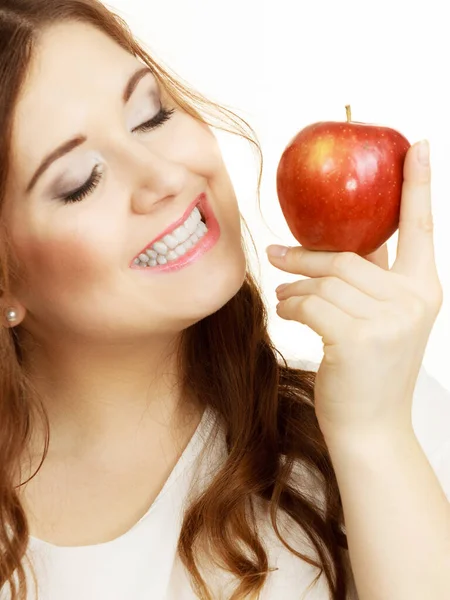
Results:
176 224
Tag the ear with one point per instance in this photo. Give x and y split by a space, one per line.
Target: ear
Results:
380 257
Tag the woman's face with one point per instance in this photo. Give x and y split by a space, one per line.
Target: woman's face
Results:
78 258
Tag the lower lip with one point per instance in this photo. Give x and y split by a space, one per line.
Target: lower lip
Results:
201 247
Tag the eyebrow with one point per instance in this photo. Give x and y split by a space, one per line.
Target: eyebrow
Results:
70 145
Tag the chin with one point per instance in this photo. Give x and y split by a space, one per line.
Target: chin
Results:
221 284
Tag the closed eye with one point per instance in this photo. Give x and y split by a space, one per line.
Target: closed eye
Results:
76 196
162 117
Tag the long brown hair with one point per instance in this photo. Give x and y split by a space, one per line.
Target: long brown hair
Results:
227 359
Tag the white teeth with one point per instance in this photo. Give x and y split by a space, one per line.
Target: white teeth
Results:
171 255
200 232
175 244
181 233
170 241
160 248
191 225
194 219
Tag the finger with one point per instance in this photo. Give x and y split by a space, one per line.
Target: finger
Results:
321 316
415 250
348 266
380 257
339 293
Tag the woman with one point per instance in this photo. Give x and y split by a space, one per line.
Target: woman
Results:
151 444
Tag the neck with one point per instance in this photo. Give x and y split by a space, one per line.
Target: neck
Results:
106 396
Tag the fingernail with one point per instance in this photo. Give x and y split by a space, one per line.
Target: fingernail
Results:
424 153
276 251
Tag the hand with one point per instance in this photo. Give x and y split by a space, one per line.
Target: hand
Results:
374 321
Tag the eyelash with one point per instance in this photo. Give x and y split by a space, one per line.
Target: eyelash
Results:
162 117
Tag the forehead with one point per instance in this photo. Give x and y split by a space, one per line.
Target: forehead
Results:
75 67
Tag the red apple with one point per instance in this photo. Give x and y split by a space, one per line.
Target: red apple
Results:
339 185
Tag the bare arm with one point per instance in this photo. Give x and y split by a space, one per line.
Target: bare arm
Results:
397 518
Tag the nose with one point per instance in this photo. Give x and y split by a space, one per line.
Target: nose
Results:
155 178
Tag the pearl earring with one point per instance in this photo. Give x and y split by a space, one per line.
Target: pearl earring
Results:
11 316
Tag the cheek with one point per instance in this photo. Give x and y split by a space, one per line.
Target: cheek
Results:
55 266
195 146
199 150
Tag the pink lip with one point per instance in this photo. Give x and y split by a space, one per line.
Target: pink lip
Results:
205 243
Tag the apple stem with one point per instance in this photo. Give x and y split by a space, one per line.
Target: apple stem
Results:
349 113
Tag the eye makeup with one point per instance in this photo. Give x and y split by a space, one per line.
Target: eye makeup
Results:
96 175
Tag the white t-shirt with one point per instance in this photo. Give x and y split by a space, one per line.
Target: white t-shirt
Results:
143 564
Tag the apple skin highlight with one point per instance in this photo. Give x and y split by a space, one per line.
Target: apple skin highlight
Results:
339 185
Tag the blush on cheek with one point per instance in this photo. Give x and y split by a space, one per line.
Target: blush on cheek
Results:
56 266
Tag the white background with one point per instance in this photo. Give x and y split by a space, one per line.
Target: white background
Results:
286 63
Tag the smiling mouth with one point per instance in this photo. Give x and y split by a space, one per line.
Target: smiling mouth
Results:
175 242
